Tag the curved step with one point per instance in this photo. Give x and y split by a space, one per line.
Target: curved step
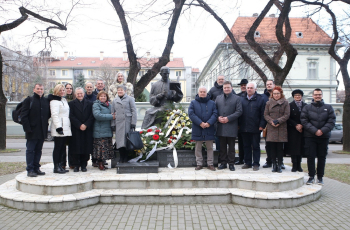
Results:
62 184
11 197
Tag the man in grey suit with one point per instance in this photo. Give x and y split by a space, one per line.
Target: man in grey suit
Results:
229 110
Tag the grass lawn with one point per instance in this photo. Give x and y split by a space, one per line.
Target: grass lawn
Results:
339 172
9 150
13 167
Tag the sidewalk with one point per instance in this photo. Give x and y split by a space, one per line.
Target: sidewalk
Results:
331 211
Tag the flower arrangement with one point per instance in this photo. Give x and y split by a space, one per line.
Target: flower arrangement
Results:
175 132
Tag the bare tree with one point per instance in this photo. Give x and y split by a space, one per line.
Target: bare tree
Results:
134 63
28 10
342 61
107 73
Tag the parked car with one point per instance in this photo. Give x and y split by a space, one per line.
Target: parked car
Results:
337 134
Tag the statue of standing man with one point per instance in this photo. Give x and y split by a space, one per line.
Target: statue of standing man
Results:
162 92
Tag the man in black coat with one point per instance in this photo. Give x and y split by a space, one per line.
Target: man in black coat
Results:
243 85
100 85
90 93
82 121
318 120
35 115
251 123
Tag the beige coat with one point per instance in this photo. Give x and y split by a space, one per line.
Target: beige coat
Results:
277 110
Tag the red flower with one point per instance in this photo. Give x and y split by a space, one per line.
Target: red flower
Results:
155 137
149 130
141 132
157 131
191 140
171 137
185 143
169 141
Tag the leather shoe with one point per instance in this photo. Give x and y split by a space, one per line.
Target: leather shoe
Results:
40 173
267 165
83 169
71 167
239 163
32 174
222 166
245 166
256 168
211 167
199 167
231 167
300 169
76 169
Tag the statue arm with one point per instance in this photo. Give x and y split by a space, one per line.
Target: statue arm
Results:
153 97
177 94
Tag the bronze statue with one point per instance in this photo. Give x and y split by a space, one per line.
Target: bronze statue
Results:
162 92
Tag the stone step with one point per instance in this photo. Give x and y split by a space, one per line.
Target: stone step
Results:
180 178
11 197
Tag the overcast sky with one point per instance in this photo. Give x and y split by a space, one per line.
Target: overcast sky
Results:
96 28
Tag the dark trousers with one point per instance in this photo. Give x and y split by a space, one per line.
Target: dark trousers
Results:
296 160
124 153
217 143
276 151
227 156
240 147
64 156
268 155
33 154
251 143
316 147
59 149
80 160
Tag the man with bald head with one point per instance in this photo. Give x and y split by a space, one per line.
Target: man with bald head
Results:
251 123
89 94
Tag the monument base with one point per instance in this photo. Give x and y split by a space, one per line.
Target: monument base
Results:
138 167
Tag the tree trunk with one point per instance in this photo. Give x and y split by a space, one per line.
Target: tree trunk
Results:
346 107
3 101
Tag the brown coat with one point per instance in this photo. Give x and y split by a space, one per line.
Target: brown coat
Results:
277 110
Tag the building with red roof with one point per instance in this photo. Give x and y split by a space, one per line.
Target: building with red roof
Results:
313 67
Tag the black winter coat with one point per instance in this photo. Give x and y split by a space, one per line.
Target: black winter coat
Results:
266 95
216 91
81 142
315 116
253 114
295 144
35 119
91 97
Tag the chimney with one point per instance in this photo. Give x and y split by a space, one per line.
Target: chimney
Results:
255 15
171 56
101 55
65 55
148 55
125 56
272 15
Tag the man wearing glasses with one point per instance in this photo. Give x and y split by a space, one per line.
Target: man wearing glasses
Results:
317 119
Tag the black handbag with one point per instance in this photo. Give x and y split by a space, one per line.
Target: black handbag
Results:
134 141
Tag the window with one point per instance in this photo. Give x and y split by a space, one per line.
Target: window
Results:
257 34
141 73
299 34
312 68
243 71
91 73
178 73
65 72
52 72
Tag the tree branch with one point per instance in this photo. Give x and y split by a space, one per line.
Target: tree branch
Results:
235 46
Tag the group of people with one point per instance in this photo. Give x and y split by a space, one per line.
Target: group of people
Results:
296 129
83 121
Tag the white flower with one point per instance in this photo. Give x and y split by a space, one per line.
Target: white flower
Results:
161 134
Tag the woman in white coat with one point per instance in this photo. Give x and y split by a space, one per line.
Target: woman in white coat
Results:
60 125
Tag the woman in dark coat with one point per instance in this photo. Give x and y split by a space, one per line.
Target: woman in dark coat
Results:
103 147
276 114
295 145
203 114
82 122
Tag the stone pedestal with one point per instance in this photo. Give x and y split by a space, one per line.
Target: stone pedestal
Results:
186 158
138 167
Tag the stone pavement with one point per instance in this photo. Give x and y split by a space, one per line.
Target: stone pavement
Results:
331 211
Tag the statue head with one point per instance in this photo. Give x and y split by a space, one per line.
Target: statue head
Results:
164 72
